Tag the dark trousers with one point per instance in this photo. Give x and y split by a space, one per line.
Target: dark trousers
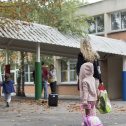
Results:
53 87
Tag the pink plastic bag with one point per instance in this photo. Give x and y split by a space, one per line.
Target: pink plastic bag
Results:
90 120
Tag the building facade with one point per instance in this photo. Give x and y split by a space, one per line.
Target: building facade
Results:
109 20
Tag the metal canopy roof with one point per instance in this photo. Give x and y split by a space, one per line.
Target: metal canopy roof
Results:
25 36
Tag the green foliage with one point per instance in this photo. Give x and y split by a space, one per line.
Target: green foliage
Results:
48 59
64 17
60 14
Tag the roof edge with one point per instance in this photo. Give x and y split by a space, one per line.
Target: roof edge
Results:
90 3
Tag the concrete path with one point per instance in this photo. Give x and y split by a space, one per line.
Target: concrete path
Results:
28 112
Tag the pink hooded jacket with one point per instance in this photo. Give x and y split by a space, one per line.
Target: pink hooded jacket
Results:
87 83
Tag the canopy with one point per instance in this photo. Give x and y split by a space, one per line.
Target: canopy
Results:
24 37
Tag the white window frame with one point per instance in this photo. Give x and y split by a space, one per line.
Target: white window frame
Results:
15 79
14 71
118 30
68 70
27 83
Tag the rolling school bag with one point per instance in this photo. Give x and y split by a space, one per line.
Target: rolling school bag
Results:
53 99
90 120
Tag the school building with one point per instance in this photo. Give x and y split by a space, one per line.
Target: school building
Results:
109 21
107 36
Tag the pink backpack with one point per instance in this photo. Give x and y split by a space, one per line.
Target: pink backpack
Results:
90 120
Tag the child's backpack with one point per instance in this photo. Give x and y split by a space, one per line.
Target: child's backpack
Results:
90 120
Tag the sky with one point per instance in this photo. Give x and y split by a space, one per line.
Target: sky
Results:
92 1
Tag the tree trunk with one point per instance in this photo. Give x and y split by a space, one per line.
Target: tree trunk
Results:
18 84
20 81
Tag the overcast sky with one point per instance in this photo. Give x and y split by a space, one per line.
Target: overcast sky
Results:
92 1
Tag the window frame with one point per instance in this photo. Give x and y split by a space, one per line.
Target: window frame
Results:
111 31
68 71
121 19
27 83
15 79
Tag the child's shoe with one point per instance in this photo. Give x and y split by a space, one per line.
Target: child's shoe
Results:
7 105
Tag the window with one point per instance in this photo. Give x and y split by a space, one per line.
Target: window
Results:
100 23
123 20
28 74
115 21
14 73
73 76
92 26
68 71
96 25
26 70
2 74
118 21
64 72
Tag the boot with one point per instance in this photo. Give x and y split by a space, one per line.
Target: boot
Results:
7 105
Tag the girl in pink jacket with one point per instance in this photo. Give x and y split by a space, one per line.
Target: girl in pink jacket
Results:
88 93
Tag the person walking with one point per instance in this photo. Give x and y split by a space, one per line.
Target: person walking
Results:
52 78
8 88
45 77
87 54
88 93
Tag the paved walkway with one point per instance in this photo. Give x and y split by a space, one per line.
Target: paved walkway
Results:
28 112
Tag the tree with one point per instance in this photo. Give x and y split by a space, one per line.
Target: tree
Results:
60 14
20 80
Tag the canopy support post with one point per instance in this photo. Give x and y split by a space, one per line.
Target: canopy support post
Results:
7 66
38 74
124 78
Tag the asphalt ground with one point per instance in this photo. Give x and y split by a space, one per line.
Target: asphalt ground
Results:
28 112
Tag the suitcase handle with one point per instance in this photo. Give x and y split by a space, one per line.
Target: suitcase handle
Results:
85 107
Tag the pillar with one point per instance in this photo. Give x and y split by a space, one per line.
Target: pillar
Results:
106 24
7 66
38 74
124 78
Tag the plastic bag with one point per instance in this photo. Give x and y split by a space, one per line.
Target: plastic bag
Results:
103 104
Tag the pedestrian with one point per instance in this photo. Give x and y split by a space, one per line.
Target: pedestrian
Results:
52 78
88 93
45 77
87 54
8 88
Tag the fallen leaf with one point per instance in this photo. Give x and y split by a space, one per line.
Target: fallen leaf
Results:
11 121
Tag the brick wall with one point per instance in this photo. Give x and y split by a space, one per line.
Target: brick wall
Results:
119 35
30 89
67 90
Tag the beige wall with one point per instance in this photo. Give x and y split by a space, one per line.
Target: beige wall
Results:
105 6
115 77
58 68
